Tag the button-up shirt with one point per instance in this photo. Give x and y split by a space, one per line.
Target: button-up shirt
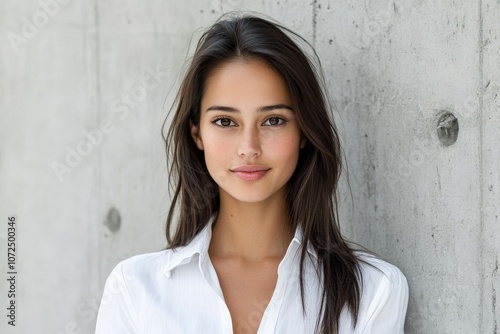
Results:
178 292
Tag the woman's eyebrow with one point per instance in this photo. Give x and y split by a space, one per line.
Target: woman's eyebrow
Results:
261 109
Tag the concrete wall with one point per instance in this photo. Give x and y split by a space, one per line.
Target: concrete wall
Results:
85 85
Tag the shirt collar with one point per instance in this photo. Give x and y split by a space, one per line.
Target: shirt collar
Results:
200 243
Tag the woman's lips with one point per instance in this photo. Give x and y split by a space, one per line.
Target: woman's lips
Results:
250 176
250 172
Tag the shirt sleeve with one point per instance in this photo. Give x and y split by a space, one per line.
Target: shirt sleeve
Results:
116 312
387 310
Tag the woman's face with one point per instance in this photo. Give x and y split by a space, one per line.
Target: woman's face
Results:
247 130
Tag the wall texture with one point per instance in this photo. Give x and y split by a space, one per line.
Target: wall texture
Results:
84 88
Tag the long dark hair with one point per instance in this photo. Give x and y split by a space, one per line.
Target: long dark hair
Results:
312 189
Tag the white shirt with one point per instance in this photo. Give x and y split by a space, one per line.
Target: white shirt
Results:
178 292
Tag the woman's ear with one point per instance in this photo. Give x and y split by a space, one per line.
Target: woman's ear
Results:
195 134
303 141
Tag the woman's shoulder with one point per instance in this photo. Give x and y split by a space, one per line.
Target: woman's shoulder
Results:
375 271
142 265
384 296
163 261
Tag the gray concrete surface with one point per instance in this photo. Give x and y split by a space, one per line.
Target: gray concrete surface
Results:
84 87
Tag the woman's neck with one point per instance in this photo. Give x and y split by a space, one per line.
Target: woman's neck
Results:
251 231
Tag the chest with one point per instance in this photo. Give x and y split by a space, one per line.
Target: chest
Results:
247 289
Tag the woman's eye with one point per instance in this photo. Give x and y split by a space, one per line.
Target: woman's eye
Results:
224 122
275 121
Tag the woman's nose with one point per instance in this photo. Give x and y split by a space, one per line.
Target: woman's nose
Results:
250 144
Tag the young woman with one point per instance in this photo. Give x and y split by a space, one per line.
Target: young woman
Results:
254 244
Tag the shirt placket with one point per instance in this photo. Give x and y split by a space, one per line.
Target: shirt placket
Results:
270 316
210 275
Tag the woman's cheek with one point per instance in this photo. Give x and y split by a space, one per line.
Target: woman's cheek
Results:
216 152
286 147
220 146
